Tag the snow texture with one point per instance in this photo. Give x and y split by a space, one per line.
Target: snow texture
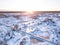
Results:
44 30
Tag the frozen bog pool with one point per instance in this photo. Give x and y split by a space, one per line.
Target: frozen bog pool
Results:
42 30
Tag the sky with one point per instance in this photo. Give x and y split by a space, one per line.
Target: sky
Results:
30 5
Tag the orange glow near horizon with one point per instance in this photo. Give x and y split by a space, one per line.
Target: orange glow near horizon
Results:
29 12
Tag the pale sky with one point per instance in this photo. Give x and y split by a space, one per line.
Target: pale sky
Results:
30 5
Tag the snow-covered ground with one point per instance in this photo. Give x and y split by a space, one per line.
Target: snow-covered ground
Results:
43 30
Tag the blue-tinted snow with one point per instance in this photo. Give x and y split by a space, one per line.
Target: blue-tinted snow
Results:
44 30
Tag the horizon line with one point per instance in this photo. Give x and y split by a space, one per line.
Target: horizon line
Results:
33 11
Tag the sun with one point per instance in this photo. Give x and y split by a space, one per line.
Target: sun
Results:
29 12
32 14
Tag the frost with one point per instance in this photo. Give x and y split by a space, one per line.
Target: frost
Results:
44 30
